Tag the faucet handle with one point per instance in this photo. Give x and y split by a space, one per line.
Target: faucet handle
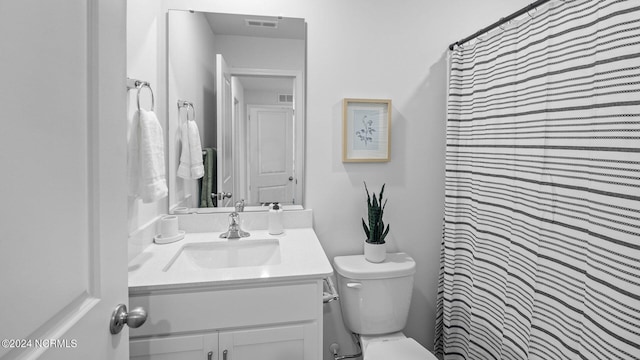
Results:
239 205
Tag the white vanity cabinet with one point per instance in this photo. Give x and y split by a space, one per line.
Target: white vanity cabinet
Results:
295 341
187 347
274 320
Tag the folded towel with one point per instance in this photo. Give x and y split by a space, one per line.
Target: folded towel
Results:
191 166
152 181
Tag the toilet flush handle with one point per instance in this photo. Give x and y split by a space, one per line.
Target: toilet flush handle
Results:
354 285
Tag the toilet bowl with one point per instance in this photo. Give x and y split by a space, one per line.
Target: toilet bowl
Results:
375 300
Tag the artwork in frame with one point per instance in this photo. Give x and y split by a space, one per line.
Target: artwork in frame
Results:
366 130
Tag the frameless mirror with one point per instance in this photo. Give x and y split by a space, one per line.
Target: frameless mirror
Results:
244 76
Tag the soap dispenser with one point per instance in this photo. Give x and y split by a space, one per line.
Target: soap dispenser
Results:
275 220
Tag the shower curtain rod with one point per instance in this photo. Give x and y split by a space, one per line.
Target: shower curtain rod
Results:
522 11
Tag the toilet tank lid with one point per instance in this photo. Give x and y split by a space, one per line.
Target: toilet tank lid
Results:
357 267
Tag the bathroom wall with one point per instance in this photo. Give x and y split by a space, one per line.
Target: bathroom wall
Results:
259 97
145 61
374 49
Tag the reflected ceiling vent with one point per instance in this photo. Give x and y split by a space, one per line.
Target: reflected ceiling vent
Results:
271 24
285 98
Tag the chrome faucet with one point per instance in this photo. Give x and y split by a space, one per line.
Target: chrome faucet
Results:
234 231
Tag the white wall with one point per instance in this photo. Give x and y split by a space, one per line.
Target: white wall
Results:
376 49
266 97
145 61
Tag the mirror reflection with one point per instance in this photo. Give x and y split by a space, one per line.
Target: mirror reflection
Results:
244 75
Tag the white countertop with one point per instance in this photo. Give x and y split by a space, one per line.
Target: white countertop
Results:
301 254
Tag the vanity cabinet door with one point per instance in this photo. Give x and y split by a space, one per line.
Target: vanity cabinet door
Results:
291 342
191 347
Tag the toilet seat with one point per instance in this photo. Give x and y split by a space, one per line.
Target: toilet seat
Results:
401 348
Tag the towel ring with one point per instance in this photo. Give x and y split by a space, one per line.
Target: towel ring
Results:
153 101
188 105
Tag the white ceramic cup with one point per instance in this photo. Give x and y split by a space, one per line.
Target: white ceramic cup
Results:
168 226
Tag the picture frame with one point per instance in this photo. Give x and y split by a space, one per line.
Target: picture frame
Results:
366 130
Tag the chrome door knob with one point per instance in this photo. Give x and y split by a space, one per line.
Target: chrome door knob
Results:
221 195
134 318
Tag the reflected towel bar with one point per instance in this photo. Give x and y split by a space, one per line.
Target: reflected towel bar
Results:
188 105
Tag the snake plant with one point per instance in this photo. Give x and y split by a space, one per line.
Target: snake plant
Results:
376 231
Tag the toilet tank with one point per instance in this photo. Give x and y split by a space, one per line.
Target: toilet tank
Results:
375 297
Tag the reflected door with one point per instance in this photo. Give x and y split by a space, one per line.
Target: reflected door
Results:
225 134
271 154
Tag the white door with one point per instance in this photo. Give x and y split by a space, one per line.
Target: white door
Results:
224 129
63 249
271 154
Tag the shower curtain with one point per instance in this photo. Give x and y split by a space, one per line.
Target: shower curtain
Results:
540 256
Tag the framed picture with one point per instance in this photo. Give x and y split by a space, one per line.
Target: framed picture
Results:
366 130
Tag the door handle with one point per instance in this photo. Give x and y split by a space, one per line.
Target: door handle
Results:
134 318
221 195
290 178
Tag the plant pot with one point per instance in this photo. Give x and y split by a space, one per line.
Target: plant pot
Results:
375 253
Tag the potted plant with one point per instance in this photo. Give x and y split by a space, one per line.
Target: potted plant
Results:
375 249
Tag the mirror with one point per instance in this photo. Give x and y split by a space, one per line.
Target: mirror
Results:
245 77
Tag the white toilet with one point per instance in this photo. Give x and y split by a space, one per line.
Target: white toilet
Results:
375 301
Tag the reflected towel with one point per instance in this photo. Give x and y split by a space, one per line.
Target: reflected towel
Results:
208 183
191 166
152 184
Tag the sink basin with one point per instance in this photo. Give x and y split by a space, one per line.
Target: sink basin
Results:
226 254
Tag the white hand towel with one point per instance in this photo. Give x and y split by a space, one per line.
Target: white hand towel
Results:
133 157
191 166
153 184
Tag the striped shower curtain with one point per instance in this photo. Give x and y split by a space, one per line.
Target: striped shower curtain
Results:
541 247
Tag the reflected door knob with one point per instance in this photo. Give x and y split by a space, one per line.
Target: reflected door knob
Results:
221 195
134 318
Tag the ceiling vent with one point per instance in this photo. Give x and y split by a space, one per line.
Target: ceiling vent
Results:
285 98
271 24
